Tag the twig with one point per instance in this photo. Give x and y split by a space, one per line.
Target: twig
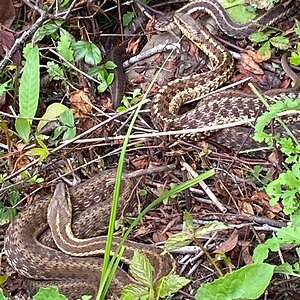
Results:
25 35
205 188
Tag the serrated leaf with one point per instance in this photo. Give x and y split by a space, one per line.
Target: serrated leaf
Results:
53 111
64 46
30 85
280 42
178 240
41 152
170 284
133 291
141 269
87 51
54 70
259 37
23 129
48 29
249 282
49 293
209 228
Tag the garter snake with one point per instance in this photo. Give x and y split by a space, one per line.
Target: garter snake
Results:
220 108
41 264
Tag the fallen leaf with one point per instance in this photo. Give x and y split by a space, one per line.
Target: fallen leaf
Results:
229 244
81 102
7 13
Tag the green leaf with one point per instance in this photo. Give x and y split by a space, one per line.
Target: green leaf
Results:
265 50
261 251
69 134
133 291
49 293
85 297
178 240
54 70
280 42
127 18
64 46
30 85
3 279
209 228
87 51
249 282
170 284
7 214
297 28
141 269
67 118
2 297
4 87
53 111
240 14
102 87
110 65
259 37
48 29
41 152
23 128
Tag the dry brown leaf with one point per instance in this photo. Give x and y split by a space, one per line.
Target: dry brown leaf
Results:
133 46
246 253
229 244
247 65
7 13
247 208
81 102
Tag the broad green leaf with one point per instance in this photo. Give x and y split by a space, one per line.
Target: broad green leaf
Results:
49 293
170 284
133 291
110 65
240 14
249 282
141 269
259 37
53 111
69 134
30 84
64 46
3 279
288 269
289 235
281 42
127 18
261 251
87 51
2 297
102 87
23 128
67 118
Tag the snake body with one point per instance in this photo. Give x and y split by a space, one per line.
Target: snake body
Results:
224 107
42 264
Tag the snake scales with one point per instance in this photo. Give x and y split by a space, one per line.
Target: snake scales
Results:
41 264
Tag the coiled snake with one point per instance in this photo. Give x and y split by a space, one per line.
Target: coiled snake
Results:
41 264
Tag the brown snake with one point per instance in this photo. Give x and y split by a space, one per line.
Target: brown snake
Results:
43 265
223 107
